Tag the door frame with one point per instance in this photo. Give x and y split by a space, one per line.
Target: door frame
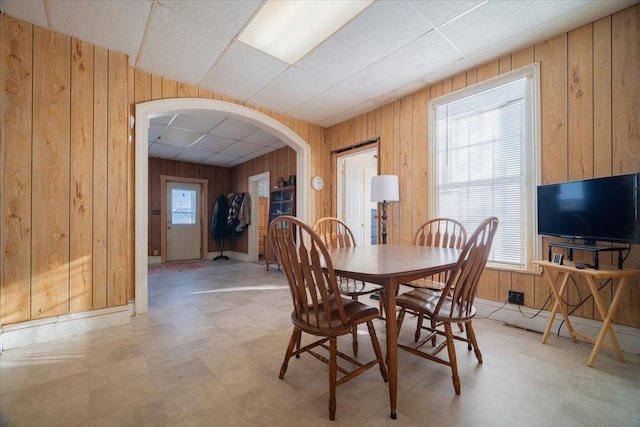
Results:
150 109
204 213
252 252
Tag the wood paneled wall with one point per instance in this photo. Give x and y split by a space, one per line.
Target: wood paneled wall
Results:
218 180
64 175
67 184
281 162
590 96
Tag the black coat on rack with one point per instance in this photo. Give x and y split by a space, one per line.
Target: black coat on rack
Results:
219 228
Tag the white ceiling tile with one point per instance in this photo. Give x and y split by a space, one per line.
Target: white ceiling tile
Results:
29 11
220 159
241 149
164 151
155 130
179 137
448 71
382 28
289 89
201 122
226 16
213 143
193 155
238 161
410 63
262 137
162 120
242 71
115 24
326 105
191 47
440 11
232 128
498 21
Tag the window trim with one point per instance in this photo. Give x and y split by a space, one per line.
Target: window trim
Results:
533 250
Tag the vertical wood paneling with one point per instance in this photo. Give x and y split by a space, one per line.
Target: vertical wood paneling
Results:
405 173
420 161
15 155
625 92
81 209
487 71
51 142
169 88
100 173
552 56
131 194
522 58
117 247
602 97
156 87
580 83
187 91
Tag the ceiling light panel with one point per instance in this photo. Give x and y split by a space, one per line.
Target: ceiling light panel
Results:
288 30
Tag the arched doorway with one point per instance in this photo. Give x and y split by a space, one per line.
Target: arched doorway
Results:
151 109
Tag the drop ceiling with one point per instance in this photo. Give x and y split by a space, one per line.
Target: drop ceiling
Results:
391 49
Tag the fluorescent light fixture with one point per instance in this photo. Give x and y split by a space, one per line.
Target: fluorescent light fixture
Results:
289 29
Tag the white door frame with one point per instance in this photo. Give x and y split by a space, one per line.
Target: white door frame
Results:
151 109
252 253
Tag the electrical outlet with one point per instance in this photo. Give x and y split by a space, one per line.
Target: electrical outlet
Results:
516 297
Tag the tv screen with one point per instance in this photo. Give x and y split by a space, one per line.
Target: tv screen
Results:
599 209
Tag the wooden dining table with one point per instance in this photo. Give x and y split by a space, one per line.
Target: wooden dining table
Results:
391 266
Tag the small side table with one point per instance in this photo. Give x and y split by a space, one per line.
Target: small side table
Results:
605 272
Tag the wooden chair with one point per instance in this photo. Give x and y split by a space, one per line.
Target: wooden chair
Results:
443 233
318 308
336 234
455 303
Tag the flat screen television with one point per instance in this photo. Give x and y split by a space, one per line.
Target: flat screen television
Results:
598 209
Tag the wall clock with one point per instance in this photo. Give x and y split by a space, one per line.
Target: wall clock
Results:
317 183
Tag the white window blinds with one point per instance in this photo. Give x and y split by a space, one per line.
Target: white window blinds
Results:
484 163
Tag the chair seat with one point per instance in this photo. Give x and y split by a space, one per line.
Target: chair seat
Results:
356 313
427 284
426 300
352 288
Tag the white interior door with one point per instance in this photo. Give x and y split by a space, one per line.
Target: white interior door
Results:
353 206
183 221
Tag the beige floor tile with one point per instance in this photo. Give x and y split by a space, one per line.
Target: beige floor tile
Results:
209 353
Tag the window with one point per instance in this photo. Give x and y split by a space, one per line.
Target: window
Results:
485 152
183 206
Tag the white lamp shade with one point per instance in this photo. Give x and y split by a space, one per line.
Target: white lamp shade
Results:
384 188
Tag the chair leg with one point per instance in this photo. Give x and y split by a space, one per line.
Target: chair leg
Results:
434 325
295 339
333 373
378 352
401 319
452 357
419 327
471 335
354 333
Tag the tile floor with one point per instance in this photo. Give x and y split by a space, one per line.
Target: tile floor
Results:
209 352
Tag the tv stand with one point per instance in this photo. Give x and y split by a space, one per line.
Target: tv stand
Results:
591 248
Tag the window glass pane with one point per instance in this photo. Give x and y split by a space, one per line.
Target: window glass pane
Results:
480 164
183 206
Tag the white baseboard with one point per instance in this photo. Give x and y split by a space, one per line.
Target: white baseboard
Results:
628 338
151 260
66 325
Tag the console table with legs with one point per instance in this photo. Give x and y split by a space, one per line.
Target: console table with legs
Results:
563 273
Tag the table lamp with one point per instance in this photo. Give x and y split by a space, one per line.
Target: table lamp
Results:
384 189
